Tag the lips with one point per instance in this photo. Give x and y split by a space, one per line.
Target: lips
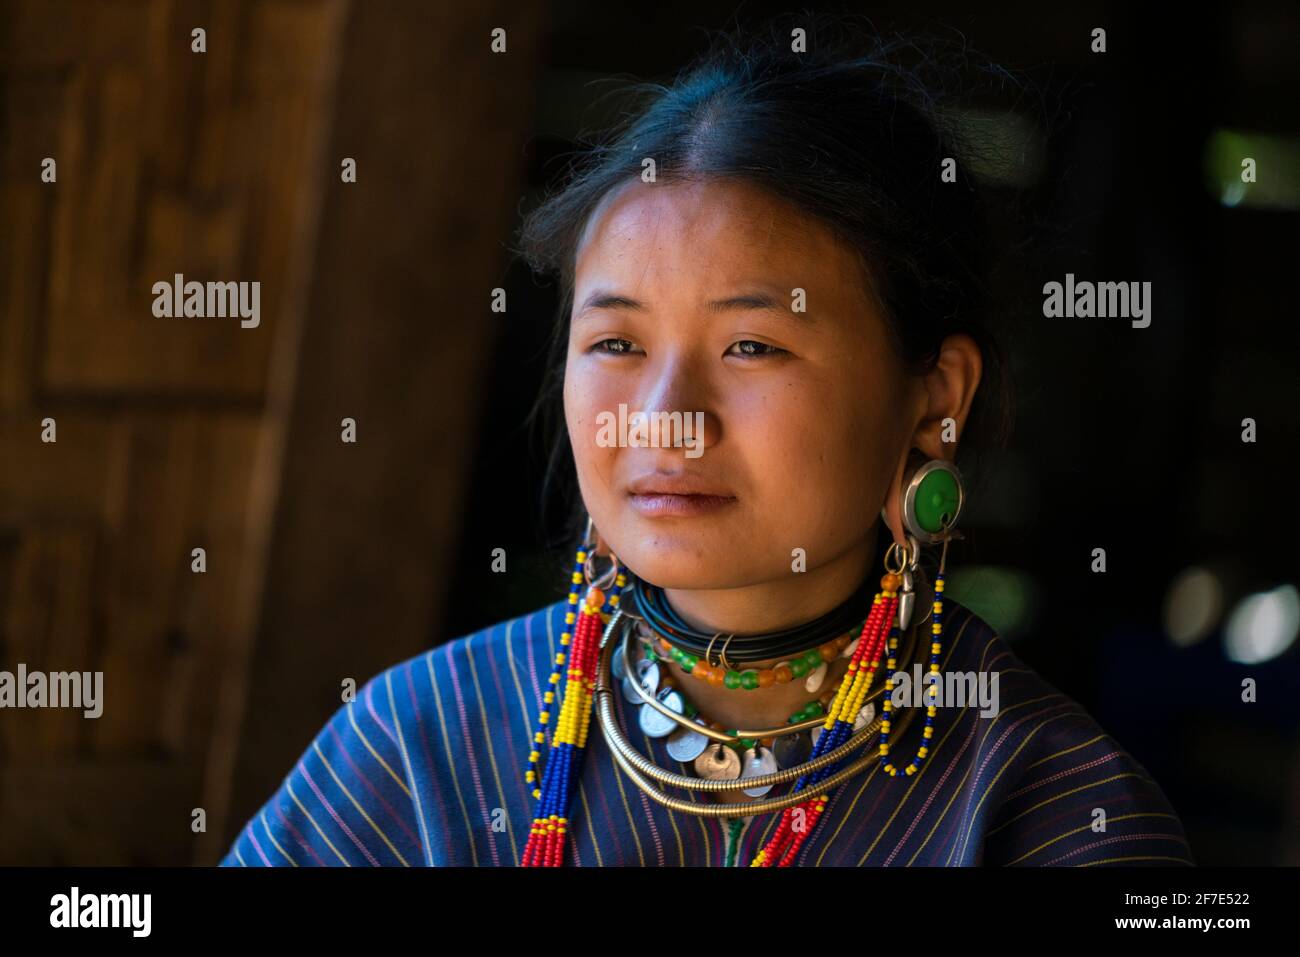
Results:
676 483
679 495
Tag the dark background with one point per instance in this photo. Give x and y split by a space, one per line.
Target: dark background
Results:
332 560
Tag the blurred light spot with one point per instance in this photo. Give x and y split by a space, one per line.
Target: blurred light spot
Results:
1277 169
1263 625
1193 605
1003 597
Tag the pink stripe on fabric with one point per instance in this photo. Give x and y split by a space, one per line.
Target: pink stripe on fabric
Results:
335 814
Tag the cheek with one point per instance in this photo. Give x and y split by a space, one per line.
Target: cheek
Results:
586 395
806 434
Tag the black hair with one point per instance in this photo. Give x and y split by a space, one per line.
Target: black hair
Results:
854 132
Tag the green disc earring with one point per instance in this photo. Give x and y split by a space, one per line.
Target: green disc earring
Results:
933 500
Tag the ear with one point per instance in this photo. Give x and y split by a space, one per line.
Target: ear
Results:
945 402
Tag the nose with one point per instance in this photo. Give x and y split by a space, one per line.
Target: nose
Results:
676 385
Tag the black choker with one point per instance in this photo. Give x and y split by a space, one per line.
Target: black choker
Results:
652 605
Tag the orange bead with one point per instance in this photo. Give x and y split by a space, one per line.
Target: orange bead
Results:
595 597
717 676
783 673
766 678
829 651
891 581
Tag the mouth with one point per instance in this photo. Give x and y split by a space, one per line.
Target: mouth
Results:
677 496
663 505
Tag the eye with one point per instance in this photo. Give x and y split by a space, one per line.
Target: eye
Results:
615 346
752 348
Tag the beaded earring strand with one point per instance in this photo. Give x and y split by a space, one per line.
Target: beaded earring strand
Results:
546 838
936 649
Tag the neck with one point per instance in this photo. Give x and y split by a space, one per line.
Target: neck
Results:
738 611
778 604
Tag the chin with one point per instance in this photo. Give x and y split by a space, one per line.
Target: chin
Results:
683 557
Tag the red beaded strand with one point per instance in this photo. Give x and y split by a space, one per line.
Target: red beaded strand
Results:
784 845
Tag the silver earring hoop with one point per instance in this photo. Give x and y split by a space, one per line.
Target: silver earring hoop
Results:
610 574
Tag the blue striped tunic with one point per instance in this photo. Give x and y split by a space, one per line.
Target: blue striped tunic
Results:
426 767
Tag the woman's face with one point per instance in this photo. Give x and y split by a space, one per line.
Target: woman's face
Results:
685 301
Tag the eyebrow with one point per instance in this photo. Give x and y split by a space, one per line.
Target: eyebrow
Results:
603 299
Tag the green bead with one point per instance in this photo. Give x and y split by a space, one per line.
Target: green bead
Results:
689 662
795 718
747 743
732 680
814 659
813 709
798 667
690 710
937 496
749 679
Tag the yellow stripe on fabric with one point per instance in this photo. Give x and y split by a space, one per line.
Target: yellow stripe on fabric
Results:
1006 762
523 707
307 814
844 817
451 764
360 810
978 748
401 783
271 838
1050 757
1063 753
1081 787
1088 827
406 764
492 760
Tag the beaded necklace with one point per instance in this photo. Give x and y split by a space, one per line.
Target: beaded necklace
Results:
879 637
753 756
688 745
811 663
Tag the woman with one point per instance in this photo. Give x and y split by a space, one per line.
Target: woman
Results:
776 251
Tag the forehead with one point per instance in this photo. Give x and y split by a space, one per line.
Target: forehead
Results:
718 230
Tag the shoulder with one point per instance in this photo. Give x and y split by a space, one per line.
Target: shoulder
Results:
494 676
517 647
363 792
1059 789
